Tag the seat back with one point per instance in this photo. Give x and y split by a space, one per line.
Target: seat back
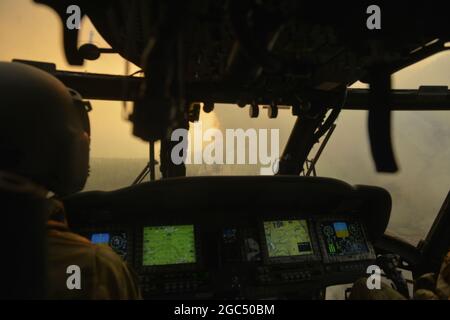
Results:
23 241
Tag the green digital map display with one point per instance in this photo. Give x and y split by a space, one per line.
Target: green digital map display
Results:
287 238
164 245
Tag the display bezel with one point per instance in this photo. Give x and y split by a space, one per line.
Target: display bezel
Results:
167 267
369 255
314 256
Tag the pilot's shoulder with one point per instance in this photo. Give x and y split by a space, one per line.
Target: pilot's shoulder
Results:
113 275
58 233
71 242
105 255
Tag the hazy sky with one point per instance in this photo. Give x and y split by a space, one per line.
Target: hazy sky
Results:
422 144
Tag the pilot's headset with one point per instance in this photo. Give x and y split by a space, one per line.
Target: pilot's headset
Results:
44 129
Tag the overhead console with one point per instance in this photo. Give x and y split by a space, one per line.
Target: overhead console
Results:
266 248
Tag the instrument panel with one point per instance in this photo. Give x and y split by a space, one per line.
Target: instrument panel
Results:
237 237
287 257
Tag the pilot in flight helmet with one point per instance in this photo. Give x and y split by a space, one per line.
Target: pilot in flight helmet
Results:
44 129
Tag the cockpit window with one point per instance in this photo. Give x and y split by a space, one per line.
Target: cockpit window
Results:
422 149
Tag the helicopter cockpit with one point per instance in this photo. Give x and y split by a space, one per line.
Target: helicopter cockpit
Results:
304 234
286 235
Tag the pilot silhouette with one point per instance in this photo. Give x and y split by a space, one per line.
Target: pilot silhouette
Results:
44 139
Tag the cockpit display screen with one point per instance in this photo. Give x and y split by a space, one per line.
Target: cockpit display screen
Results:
343 238
166 245
287 238
116 240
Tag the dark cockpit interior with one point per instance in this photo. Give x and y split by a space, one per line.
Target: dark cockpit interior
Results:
289 235
237 237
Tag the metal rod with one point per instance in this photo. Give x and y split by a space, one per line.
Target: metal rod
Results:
141 175
319 152
152 163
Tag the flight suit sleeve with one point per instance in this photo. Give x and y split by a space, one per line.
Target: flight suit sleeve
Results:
443 281
360 291
430 287
115 280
